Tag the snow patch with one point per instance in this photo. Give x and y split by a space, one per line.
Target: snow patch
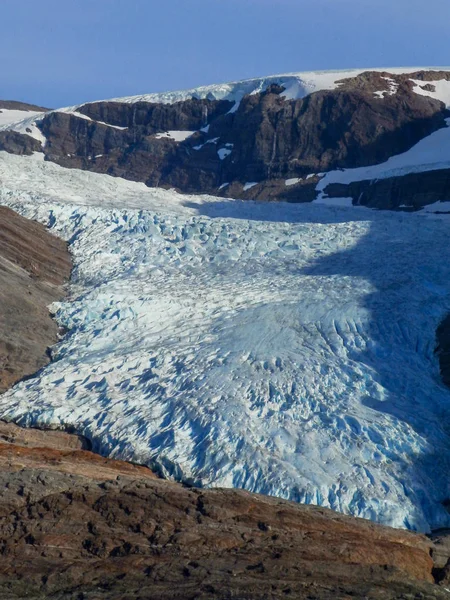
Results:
249 185
7 117
176 136
442 90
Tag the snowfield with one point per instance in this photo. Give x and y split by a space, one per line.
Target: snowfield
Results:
286 349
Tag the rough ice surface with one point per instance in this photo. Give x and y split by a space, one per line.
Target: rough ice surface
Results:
286 349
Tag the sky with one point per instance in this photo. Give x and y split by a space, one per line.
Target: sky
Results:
62 52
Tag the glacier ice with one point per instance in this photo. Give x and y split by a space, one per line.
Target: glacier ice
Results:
285 349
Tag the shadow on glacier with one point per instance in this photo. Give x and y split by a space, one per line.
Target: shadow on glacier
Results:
286 212
406 260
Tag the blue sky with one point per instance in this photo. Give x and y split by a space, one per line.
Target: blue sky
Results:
61 52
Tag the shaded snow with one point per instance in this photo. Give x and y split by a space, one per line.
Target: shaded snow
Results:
334 201
430 154
224 152
287 349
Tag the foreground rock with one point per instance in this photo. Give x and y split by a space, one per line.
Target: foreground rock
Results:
34 265
75 525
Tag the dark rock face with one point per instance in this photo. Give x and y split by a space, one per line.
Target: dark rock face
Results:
33 267
268 139
412 191
443 349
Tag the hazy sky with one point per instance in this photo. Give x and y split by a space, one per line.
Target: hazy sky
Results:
61 52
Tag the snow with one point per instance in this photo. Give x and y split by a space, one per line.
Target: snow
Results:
442 90
249 185
297 85
287 349
292 181
437 207
224 152
430 154
177 136
86 118
28 125
12 116
211 141
391 91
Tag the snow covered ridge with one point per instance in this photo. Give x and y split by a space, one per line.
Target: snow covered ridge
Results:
267 346
298 85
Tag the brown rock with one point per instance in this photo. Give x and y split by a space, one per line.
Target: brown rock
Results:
33 268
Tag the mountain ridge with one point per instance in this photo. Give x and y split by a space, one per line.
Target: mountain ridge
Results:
268 138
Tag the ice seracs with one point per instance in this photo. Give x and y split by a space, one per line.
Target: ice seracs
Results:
286 349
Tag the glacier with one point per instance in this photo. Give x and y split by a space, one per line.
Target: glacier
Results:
285 349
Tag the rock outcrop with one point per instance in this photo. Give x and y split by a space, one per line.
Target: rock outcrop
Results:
408 192
34 265
75 525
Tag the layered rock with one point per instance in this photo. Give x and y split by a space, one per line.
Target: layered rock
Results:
411 192
74 525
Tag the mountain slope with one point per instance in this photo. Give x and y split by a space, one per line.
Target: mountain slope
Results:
258 139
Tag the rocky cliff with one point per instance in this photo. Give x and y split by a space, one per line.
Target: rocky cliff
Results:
253 147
